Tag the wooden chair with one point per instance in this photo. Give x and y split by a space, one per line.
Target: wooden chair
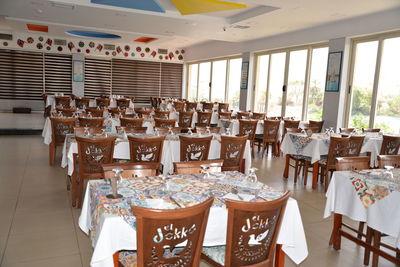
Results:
371 130
307 127
258 116
289 124
128 122
194 148
82 102
346 130
116 112
390 145
243 115
92 153
388 160
63 101
132 170
203 130
256 222
300 161
91 122
203 118
132 130
60 127
248 127
208 106
232 150
92 130
146 149
67 112
223 107
338 147
98 113
191 167
153 102
355 145
164 123
318 124
191 106
351 163
160 114
185 119
165 131
123 103
225 115
162 251
270 136
143 113
102 102
179 106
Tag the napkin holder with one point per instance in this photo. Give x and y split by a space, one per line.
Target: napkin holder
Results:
114 184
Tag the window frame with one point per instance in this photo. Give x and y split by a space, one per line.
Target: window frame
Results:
287 51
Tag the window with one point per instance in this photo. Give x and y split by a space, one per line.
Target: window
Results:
235 69
217 80
192 81
375 84
97 77
261 83
291 82
316 90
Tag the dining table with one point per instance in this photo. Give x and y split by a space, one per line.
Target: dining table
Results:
170 152
317 145
112 226
371 196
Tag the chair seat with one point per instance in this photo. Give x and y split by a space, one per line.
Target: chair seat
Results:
300 157
128 258
216 253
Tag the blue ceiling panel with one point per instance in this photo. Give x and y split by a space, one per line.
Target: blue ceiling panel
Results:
147 5
91 34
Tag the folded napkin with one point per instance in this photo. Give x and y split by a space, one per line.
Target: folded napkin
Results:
240 197
159 204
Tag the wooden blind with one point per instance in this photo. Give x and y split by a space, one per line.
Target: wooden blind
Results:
58 73
21 75
171 80
140 79
97 77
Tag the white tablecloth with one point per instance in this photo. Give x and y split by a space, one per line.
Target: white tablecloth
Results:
171 154
320 146
383 215
115 234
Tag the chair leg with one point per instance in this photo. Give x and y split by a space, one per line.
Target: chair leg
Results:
376 242
368 240
264 147
74 188
68 181
296 171
286 171
360 230
305 172
52 153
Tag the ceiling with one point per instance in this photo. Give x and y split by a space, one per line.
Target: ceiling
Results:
260 19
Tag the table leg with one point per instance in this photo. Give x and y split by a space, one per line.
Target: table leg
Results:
116 259
315 175
279 256
335 236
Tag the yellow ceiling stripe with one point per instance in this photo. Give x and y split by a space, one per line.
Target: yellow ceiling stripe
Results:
188 7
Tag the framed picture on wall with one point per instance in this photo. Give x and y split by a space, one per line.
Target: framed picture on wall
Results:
244 75
333 72
77 71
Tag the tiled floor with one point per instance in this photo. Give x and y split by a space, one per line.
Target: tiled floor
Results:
38 227
34 120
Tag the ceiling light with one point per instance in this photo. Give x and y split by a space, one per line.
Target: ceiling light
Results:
62 5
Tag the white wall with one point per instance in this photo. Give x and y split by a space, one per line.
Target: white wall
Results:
369 24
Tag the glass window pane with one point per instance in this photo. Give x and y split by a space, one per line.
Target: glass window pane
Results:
218 81
388 102
317 83
296 80
277 74
204 81
261 83
235 69
192 85
363 81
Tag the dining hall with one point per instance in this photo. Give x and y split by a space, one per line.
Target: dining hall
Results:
202 133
